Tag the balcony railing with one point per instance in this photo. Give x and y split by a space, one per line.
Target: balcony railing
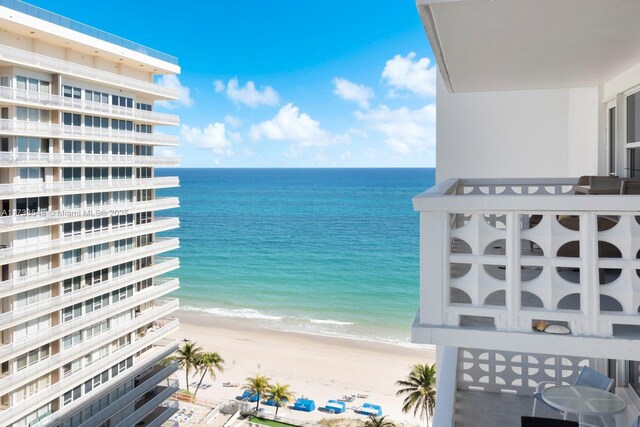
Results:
162 266
162 393
19 284
57 360
502 254
60 330
15 159
134 394
18 253
74 187
36 219
56 389
55 65
45 100
54 130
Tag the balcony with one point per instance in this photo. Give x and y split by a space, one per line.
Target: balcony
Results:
19 253
14 159
59 331
56 361
58 66
54 130
19 410
157 374
22 314
498 255
48 101
38 219
76 187
148 407
31 281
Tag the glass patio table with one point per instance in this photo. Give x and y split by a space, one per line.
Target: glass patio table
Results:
582 400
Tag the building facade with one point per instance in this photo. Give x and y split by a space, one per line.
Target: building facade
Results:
530 97
84 317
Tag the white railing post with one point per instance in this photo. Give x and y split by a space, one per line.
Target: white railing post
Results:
513 252
589 277
434 271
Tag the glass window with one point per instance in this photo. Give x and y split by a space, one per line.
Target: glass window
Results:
21 82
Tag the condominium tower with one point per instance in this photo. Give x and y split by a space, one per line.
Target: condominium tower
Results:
84 317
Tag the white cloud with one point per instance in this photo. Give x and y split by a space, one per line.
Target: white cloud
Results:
168 152
406 74
248 94
289 124
184 93
234 122
214 137
352 92
405 130
218 86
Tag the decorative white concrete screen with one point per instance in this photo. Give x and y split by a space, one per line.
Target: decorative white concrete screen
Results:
502 254
510 372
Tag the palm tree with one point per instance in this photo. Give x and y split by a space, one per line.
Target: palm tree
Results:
374 421
187 357
420 391
257 386
208 362
280 395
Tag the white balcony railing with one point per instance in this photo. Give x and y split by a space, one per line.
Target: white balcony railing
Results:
71 381
75 187
57 360
18 253
56 332
63 159
499 254
162 394
35 280
54 130
54 65
36 219
167 347
45 100
138 390
18 315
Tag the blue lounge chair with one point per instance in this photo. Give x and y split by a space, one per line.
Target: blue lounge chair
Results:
249 396
335 407
370 409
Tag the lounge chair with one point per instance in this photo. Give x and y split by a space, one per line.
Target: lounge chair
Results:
587 377
630 187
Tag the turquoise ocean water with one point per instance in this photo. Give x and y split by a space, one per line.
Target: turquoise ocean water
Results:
327 251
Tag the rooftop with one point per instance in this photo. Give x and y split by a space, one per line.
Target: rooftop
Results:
164 63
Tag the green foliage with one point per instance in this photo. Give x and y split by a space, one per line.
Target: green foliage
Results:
187 357
280 395
374 421
419 389
258 385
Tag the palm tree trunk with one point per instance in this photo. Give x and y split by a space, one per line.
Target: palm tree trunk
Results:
186 377
277 407
200 382
258 403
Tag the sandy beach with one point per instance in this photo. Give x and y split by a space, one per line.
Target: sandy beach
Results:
317 367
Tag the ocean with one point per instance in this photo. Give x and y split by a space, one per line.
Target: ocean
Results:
323 251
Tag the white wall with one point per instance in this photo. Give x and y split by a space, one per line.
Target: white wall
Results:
536 133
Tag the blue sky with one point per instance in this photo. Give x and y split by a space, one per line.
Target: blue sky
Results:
284 83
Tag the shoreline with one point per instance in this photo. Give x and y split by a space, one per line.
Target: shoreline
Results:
317 366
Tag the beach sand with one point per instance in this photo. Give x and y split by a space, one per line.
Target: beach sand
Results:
316 367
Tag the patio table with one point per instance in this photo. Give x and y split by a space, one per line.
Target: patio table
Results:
582 400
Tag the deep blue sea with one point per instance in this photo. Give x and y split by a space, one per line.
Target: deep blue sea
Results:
329 251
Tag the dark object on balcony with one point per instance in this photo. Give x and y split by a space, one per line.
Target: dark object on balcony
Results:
545 422
630 187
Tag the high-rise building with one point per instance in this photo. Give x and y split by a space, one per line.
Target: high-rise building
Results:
84 317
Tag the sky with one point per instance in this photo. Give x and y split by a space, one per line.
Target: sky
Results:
286 83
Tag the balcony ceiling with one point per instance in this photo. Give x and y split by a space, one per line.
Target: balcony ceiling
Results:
487 45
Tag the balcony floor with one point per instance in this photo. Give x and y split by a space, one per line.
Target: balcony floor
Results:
478 408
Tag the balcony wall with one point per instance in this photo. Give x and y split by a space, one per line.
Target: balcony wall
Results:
498 255
16 159
48 101
55 65
54 130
